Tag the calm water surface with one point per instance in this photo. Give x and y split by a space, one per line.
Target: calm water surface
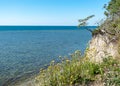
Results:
28 50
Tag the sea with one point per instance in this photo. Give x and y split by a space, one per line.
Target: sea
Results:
25 50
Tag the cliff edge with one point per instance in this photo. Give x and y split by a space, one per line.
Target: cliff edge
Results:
101 46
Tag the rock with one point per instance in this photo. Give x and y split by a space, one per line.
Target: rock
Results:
100 46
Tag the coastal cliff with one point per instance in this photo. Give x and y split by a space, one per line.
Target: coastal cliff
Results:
101 46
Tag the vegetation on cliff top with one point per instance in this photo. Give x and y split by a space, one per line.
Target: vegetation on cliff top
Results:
111 25
113 8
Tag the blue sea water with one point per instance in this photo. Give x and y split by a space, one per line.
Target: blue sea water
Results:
25 49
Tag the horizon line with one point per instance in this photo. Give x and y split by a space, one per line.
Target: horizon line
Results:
46 25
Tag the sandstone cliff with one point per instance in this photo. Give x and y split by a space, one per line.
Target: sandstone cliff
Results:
101 46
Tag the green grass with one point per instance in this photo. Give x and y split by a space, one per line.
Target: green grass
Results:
80 71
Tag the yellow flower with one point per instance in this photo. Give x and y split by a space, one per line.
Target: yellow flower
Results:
71 77
67 60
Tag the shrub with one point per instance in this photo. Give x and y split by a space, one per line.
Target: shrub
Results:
79 71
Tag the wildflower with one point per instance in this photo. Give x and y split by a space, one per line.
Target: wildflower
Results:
52 61
77 51
67 60
71 77
115 65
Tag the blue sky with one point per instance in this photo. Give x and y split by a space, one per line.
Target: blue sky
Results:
50 12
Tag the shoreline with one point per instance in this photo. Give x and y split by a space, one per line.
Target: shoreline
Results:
27 82
26 78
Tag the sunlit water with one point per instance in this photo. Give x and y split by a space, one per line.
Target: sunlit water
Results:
28 50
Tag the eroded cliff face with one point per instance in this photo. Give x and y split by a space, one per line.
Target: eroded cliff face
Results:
101 46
